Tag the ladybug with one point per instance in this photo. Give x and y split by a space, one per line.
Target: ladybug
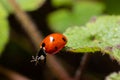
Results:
52 44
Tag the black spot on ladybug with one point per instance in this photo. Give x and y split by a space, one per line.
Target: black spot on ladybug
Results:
64 39
43 44
56 47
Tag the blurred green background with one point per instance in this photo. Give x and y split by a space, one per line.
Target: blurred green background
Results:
50 16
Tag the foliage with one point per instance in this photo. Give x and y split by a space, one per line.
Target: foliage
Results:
113 76
58 3
86 29
4 33
99 35
4 28
5 10
79 14
27 5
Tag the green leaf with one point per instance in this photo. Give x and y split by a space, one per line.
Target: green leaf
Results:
4 33
100 35
113 76
83 11
58 3
3 13
27 5
79 15
80 38
30 5
60 20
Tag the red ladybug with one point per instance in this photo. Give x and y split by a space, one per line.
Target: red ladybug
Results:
52 44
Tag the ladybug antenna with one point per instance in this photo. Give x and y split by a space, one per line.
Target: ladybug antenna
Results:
41 55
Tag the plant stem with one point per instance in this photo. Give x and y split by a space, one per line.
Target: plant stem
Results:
27 23
59 71
36 37
82 66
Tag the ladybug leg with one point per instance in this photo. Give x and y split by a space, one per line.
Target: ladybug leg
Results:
34 58
37 58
